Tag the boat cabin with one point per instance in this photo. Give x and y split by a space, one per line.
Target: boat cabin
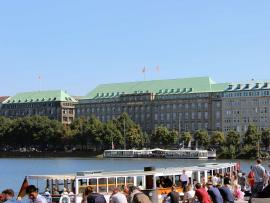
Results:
154 182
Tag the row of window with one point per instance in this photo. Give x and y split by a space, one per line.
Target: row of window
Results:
247 93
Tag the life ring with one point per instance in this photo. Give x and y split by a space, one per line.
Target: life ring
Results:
64 199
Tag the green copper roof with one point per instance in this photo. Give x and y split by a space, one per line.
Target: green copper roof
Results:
40 96
174 86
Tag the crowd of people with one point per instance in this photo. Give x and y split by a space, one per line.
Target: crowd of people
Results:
218 188
228 188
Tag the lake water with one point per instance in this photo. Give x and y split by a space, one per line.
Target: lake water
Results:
13 170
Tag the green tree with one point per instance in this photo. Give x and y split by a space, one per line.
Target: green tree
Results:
232 141
202 138
252 136
78 132
161 136
265 140
251 142
232 138
5 127
131 132
217 140
112 136
94 134
186 138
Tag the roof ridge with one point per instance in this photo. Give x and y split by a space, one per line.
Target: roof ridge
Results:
146 81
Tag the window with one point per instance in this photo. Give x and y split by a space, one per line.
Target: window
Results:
205 115
199 115
102 185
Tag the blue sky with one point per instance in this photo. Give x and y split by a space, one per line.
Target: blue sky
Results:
76 45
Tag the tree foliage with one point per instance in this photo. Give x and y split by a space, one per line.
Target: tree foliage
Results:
202 138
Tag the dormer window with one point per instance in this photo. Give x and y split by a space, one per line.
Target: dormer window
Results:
257 85
230 87
238 86
247 86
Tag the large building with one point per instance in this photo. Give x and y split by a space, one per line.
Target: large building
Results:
181 104
56 105
244 104
188 104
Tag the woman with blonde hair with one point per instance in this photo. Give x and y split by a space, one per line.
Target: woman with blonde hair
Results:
189 194
86 192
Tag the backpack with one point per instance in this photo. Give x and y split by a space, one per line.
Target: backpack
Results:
96 198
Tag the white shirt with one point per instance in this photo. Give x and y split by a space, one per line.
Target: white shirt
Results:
184 177
39 199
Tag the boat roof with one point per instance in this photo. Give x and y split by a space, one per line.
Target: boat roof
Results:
156 172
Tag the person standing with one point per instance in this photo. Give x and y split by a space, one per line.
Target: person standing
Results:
184 179
259 174
34 197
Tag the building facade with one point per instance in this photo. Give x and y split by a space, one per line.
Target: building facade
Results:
245 104
182 104
56 105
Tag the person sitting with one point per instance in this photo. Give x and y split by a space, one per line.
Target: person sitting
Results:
226 193
214 193
201 194
173 196
189 194
34 197
8 196
237 193
117 196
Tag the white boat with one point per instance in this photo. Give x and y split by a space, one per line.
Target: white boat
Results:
148 180
160 153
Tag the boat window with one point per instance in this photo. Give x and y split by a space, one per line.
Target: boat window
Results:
202 177
93 183
195 177
220 171
139 180
102 185
130 181
209 175
177 180
111 184
121 181
82 185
